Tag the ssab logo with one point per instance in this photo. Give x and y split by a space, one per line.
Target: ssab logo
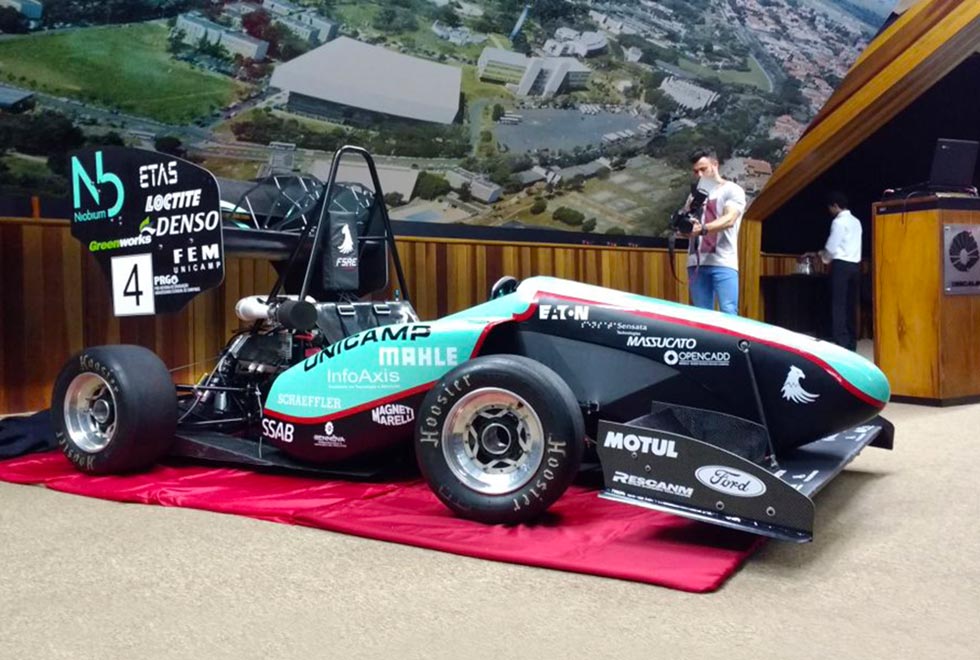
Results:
96 191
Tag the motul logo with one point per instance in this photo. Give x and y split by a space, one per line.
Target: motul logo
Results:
644 444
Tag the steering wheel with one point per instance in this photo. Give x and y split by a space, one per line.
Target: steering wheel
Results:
503 286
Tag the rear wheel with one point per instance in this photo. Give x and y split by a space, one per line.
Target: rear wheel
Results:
500 438
114 409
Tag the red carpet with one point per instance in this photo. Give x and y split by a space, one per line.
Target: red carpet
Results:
582 533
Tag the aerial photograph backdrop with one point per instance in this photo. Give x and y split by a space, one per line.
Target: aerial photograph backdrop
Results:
568 115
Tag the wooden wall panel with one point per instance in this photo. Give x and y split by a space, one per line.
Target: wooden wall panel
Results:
55 299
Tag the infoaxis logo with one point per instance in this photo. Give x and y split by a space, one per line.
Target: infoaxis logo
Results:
80 177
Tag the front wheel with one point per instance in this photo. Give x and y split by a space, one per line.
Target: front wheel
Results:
499 439
114 409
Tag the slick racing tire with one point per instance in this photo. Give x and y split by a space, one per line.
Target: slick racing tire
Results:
499 439
114 409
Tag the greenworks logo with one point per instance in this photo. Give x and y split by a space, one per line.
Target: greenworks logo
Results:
146 227
103 246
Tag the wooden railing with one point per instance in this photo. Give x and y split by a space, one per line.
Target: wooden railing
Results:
55 299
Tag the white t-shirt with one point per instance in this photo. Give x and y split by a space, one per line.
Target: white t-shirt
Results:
719 248
844 242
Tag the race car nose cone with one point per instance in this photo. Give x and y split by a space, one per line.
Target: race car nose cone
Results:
863 376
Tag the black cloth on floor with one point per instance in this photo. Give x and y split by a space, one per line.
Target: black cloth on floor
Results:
23 435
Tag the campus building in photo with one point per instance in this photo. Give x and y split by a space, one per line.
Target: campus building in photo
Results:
374 82
532 76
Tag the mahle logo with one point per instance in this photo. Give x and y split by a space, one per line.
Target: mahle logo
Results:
80 177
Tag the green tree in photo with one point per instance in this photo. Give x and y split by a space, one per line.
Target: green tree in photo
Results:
568 216
169 144
430 186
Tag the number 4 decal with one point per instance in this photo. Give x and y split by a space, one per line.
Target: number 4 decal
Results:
132 285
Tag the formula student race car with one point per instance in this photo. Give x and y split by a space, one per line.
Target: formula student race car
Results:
690 411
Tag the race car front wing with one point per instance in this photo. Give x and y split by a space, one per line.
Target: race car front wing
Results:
653 468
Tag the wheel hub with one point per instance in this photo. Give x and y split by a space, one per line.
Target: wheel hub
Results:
101 410
90 412
493 441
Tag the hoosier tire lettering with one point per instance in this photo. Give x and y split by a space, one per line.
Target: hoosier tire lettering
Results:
547 475
429 431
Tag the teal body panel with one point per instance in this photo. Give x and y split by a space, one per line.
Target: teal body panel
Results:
378 364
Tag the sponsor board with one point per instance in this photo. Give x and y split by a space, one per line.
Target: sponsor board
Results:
132 201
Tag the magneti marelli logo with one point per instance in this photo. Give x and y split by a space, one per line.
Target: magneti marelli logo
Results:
963 251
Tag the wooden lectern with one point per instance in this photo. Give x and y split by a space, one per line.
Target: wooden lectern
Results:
927 298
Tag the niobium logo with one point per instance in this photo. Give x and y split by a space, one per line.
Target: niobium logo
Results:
964 252
80 177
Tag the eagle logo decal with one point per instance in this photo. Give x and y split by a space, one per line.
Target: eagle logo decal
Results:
346 245
793 390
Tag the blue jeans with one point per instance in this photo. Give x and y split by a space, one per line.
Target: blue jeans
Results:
711 281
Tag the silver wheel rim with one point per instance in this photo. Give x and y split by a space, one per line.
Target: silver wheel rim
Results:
493 441
90 412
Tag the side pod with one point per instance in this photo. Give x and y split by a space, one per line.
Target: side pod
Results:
650 467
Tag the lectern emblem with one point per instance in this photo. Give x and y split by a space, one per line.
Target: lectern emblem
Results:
963 251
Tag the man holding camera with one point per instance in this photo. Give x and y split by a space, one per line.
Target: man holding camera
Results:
712 260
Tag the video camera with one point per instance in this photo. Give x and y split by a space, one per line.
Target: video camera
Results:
683 221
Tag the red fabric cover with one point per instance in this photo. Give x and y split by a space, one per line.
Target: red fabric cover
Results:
581 533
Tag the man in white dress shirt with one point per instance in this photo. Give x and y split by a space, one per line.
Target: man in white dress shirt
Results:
843 252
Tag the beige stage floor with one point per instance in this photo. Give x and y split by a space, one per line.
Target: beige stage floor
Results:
894 572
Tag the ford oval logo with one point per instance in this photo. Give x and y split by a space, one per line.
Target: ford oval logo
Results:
730 481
